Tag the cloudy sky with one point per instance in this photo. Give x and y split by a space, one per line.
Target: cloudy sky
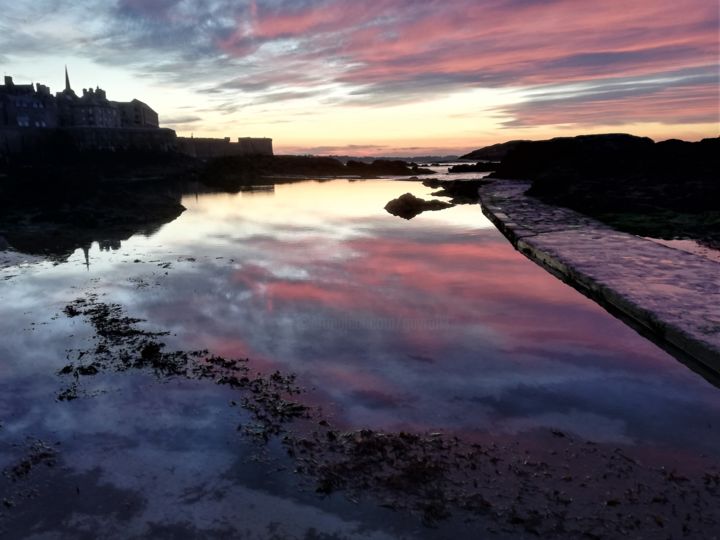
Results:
383 76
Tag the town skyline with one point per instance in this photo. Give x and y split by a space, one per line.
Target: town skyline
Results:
34 119
395 78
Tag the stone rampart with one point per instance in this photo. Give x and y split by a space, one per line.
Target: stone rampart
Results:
40 141
205 148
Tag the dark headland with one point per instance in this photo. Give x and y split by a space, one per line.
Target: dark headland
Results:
668 189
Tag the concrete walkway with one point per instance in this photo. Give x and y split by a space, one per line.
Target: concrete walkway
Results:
670 295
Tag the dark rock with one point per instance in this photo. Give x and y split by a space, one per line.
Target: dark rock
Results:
494 152
232 173
151 351
570 158
480 166
87 370
38 453
460 191
408 206
434 182
382 167
667 190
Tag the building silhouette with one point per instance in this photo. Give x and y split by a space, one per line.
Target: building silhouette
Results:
33 106
27 105
33 121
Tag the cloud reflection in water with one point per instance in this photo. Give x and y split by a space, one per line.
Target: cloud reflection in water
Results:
428 324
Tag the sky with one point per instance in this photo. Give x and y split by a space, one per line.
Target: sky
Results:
384 77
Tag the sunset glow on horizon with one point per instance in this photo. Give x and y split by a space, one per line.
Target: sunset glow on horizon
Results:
389 77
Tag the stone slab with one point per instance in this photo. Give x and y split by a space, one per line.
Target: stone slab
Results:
671 294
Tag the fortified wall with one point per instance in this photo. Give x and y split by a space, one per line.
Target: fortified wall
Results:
156 139
212 148
16 141
40 141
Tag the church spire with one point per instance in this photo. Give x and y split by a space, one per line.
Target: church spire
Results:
67 81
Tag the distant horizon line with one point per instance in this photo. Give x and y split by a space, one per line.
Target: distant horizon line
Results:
449 152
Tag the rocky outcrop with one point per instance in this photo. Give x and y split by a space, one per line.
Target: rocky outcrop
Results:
480 166
408 206
494 152
668 189
575 157
236 171
460 191
383 167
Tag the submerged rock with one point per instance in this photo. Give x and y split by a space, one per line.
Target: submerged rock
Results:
408 206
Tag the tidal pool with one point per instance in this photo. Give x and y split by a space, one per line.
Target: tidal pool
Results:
433 325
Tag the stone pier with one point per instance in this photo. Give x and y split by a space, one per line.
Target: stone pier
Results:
670 295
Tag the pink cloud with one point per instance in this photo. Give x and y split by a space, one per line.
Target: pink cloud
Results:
392 49
688 104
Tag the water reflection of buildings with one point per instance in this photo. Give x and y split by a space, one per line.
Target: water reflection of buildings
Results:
110 245
103 245
258 190
59 237
86 252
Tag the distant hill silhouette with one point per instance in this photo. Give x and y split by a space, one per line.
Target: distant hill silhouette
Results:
495 152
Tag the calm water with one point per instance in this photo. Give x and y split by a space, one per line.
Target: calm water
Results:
430 324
